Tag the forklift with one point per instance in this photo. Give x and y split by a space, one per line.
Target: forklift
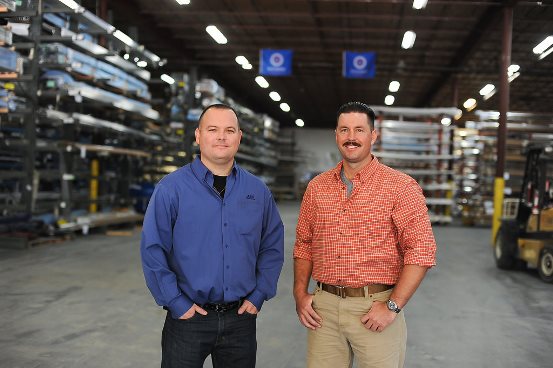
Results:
525 236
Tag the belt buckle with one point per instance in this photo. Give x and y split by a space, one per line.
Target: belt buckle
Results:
219 308
341 292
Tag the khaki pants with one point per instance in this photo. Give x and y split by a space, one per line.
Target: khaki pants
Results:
343 336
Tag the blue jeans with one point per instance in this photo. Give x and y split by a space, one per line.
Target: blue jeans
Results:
229 337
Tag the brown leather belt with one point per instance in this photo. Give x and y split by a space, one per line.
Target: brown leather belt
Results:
344 291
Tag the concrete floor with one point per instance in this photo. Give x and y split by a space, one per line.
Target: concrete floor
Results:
84 304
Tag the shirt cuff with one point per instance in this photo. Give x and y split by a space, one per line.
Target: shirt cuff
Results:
179 306
256 298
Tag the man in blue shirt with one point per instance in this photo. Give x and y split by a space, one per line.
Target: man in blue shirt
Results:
212 251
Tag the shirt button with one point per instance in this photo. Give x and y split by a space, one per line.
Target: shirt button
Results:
344 210
339 257
226 288
226 246
228 267
225 224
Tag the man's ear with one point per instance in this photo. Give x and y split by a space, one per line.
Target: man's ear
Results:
197 135
374 136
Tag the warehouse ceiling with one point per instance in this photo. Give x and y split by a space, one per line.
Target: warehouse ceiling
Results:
457 50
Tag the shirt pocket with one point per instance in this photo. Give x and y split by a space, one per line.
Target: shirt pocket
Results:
250 217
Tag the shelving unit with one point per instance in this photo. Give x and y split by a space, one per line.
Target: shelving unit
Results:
415 142
479 155
77 126
286 179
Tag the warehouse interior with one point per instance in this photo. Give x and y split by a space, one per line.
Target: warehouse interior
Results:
99 100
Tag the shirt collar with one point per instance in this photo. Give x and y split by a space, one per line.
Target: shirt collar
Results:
202 171
362 175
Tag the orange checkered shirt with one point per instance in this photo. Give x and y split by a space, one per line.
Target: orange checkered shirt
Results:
367 237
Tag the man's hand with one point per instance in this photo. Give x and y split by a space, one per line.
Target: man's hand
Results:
193 309
379 317
307 315
248 307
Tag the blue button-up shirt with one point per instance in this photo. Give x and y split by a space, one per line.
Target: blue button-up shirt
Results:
200 248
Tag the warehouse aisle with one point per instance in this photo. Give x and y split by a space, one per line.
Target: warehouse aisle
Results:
84 304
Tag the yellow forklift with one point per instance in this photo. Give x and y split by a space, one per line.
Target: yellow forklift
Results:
525 236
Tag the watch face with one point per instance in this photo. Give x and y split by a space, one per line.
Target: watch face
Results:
392 305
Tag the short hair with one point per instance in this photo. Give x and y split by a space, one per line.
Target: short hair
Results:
220 106
356 106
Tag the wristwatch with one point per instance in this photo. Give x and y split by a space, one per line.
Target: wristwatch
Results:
393 306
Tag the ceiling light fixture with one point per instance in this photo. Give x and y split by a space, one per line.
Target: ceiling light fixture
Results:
446 121
544 54
183 2
247 66
123 38
394 86
408 39
274 96
167 79
512 69
419 4
389 100
469 104
70 4
544 45
217 35
262 82
126 56
487 89
300 122
241 60
142 64
285 107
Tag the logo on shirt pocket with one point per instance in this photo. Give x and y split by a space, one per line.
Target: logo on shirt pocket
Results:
251 196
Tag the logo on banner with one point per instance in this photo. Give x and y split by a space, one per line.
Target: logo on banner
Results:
275 62
359 64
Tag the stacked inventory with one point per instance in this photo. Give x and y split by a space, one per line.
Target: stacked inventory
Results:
522 129
86 129
286 180
422 148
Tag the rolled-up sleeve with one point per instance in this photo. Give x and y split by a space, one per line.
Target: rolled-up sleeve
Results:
304 229
156 244
410 216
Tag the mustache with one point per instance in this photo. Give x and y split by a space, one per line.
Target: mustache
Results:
352 143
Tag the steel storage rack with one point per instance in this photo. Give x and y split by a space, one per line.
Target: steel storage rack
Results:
286 179
522 129
87 128
416 142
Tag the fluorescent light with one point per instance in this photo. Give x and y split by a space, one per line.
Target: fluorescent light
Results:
70 4
419 4
408 39
514 76
489 95
183 2
446 121
394 86
241 60
469 104
274 96
126 56
247 66
142 64
136 60
167 79
262 82
300 122
123 38
545 53
389 100
512 69
216 34
486 89
544 45
285 107
458 115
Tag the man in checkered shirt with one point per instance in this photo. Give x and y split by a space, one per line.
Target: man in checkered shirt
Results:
365 237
